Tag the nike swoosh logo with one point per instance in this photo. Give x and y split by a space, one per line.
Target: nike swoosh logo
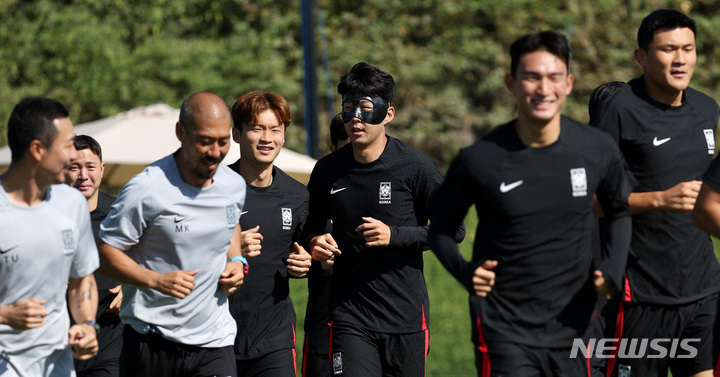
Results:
180 219
506 188
8 250
657 142
333 191
243 212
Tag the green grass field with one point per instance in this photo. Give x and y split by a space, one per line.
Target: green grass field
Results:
451 349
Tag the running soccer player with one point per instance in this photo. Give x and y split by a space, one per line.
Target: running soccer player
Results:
600 94
316 348
273 218
376 194
85 174
666 132
46 245
173 238
532 181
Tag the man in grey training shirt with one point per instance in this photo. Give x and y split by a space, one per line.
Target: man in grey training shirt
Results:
45 243
172 238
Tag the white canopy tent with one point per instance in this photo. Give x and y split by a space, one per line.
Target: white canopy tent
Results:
132 140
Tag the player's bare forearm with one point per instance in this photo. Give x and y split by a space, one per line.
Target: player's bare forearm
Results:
115 264
82 298
235 249
679 198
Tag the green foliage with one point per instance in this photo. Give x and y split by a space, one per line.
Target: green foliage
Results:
101 58
449 58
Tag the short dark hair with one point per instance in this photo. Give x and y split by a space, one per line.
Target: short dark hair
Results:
600 94
662 20
88 142
551 41
32 119
249 105
365 80
337 130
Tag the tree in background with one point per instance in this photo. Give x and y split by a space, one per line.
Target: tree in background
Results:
449 57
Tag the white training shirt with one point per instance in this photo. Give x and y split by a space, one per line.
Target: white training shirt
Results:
40 248
165 225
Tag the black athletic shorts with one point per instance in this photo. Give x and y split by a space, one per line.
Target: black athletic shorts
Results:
151 355
357 352
517 360
280 363
107 362
316 365
682 338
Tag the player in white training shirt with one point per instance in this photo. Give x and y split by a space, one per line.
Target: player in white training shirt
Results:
46 243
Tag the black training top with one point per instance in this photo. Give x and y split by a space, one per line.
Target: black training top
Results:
535 217
671 261
103 282
380 289
110 340
262 307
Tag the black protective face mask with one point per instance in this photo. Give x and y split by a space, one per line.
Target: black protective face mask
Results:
374 116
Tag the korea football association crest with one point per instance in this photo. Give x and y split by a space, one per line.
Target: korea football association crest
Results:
337 363
578 178
710 140
68 242
624 371
287 218
385 192
230 215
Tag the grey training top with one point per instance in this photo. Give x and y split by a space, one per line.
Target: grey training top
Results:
40 248
165 225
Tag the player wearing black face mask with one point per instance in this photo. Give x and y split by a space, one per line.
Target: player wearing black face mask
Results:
376 194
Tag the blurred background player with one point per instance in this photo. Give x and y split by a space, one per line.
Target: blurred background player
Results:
600 94
531 277
85 174
316 348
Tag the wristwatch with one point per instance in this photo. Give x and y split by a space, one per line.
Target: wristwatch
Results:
94 325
